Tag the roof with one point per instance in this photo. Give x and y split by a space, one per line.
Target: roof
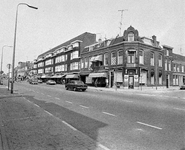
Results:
80 37
178 57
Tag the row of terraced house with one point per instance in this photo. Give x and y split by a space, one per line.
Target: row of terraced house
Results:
127 61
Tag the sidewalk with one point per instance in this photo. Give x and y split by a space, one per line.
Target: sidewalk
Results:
137 89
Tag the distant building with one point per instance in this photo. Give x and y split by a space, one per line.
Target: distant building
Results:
63 59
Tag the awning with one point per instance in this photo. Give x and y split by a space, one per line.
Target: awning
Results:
45 76
92 59
57 76
84 73
98 75
98 58
72 76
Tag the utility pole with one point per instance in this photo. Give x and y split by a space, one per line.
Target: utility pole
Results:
121 18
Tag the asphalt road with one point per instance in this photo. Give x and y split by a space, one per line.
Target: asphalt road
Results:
119 121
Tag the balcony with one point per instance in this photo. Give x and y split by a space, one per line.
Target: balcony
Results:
129 65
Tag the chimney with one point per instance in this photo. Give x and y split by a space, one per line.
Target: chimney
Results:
154 40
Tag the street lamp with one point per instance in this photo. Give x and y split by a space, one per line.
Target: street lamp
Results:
13 59
2 57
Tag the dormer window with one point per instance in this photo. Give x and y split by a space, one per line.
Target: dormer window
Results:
131 37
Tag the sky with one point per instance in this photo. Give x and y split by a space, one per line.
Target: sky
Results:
57 21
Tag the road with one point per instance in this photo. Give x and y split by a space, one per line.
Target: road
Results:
117 121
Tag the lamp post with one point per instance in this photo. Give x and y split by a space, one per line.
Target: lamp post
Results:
2 57
8 66
13 59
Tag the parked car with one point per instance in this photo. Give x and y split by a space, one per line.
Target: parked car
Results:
182 87
76 85
33 81
51 82
39 81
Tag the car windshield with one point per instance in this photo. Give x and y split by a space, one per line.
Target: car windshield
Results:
78 82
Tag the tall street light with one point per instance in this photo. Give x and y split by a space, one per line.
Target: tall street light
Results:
13 59
2 57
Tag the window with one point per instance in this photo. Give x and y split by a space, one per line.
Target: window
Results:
74 55
61 68
141 57
167 52
90 62
41 64
152 59
48 69
178 68
131 56
182 68
174 68
169 66
82 63
166 65
106 59
49 62
130 37
74 66
35 66
75 44
120 57
160 60
113 58
86 62
40 70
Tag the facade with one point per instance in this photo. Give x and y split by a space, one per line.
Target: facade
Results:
64 59
131 61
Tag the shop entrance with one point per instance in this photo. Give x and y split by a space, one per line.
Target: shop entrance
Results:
131 82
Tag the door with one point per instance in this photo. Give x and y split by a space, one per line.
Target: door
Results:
131 82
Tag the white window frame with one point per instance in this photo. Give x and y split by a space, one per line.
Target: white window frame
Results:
120 58
141 57
130 37
152 59
106 62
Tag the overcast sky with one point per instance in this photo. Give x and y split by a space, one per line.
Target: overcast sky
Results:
57 21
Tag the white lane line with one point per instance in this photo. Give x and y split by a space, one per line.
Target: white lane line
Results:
57 98
179 109
48 113
128 101
103 147
69 125
109 114
69 102
36 105
149 125
84 106
49 95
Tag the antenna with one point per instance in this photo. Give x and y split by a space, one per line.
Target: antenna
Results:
121 18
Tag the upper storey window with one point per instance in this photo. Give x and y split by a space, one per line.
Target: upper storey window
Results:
131 37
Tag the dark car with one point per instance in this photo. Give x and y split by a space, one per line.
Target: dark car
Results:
76 85
182 87
33 81
51 82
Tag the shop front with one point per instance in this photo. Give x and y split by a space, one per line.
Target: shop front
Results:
97 79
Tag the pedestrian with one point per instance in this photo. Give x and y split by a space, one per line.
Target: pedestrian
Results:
96 83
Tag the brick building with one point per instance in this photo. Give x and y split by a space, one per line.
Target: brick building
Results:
131 61
63 60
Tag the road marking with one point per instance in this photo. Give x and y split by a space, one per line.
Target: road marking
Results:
36 105
49 95
179 109
49 113
69 125
128 101
84 106
69 102
109 114
149 125
102 146
57 98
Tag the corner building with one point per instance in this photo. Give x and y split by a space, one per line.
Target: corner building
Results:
131 61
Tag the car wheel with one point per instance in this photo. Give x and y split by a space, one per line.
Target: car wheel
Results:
83 90
75 89
66 88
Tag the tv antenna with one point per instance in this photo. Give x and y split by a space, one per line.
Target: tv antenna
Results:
121 18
